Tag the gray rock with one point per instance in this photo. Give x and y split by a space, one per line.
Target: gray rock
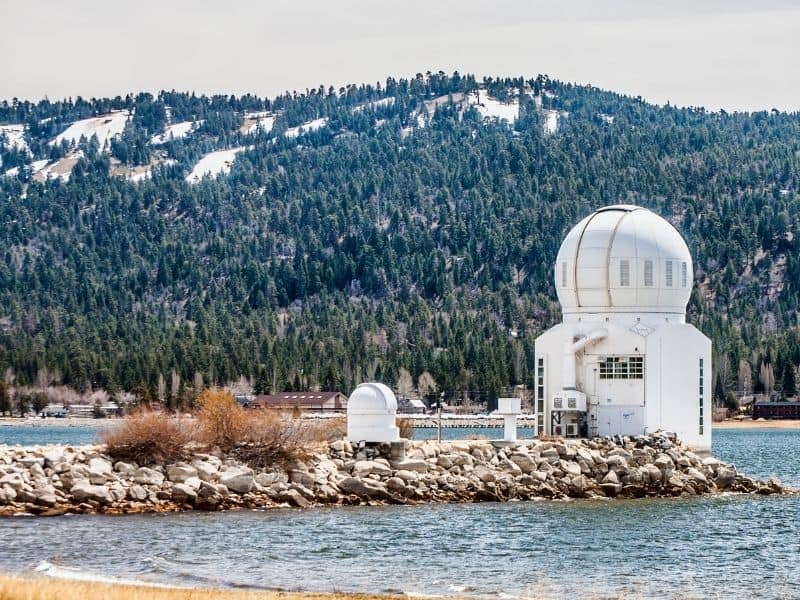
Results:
570 468
100 466
484 474
205 470
611 477
539 475
147 476
180 473
611 489
364 488
237 480
524 462
725 477
267 479
410 464
407 475
396 484
124 469
193 482
46 496
83 490
294 498
664 463
12 480
182 493
696 476
301 477
137 493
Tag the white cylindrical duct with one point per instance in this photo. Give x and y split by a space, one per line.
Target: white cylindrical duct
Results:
571 349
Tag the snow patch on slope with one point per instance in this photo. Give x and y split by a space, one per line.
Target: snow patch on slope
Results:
175 131
258 121
294 132
105 127
551 120
214 163
14 137
491 108
375 104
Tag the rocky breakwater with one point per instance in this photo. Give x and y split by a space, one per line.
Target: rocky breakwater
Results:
54 480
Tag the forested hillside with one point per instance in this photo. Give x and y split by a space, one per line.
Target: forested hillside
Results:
353 232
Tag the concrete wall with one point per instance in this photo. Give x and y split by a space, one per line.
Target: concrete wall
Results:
666 398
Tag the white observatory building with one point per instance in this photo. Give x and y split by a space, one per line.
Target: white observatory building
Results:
623 360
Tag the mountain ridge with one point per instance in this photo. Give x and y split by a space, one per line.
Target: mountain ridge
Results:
414 233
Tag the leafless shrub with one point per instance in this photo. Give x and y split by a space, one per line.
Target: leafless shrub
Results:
275 438
148 437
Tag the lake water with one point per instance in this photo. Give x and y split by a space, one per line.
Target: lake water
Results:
721 547
76 435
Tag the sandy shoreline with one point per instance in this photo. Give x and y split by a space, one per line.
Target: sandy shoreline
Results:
13 587
759 424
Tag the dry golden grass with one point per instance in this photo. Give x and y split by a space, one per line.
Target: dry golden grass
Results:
220 420
406 427
147 437
17 588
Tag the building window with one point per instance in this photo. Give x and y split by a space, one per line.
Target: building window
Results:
684 274
648 273
563 274
701 388
668 273
622 367
540 393
624 273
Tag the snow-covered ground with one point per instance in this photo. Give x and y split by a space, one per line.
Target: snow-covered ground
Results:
105 127
213 164
375 104
551 120
14 137
491 108
607 118
44 170
175 132
258 121
143 172
293 132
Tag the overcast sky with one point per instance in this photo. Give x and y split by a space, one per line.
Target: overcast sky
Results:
727 54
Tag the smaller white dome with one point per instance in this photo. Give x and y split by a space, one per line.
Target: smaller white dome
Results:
374 398
623 259
372 414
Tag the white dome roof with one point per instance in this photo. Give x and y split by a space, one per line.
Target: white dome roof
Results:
372 398
626 259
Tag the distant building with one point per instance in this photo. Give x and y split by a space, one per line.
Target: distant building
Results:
310 401
410 406
776 410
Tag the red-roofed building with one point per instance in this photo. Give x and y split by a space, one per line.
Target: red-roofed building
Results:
310 401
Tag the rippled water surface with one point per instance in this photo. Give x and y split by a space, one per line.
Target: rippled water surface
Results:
724 547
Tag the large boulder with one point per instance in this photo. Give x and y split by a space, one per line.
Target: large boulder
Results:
137 493
237 480
83 490
365 488
46 496
524 462
183 494
147 476
180 473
